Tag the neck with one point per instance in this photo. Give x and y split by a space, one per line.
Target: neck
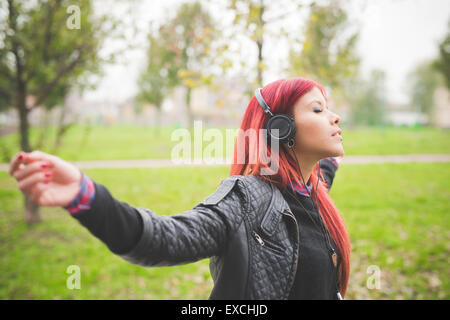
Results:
307 164
306 167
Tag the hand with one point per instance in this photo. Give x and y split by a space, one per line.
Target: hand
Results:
46 179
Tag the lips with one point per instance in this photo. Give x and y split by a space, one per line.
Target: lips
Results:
338 134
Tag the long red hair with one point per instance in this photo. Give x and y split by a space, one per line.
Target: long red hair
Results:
281 96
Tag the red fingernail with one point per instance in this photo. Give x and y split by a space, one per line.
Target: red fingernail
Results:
46 182
20 156
48 174
44 165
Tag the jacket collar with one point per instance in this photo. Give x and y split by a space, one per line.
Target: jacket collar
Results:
274 213
277 204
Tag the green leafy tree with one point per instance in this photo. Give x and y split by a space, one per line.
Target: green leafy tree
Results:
46 48
369 100
328 54
179 54
153 82
253 18
249 14
422 83
442 63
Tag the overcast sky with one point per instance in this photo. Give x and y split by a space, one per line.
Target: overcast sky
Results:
395 35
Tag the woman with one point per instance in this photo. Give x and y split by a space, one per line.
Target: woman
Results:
269 234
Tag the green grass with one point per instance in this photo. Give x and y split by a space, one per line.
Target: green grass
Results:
379 141
134 142
35 259
396 214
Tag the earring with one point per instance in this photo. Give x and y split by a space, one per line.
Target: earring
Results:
291 143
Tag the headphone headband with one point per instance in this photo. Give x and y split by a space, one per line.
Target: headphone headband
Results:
262 102
280 126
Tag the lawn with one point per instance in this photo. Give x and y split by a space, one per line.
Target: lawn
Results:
396 214
134 142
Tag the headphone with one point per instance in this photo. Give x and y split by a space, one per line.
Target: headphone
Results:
284 123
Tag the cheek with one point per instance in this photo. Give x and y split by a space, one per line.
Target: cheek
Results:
311 132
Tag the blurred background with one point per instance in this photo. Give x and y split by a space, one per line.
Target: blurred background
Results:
95 81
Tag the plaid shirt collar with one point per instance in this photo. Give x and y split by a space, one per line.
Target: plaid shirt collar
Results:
302 188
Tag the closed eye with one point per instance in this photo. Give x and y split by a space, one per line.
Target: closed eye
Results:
316 108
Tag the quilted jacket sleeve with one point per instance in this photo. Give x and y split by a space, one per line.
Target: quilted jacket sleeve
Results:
196 234
328 167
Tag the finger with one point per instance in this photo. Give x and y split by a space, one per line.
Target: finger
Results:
38 156
26 183
21 173
15 161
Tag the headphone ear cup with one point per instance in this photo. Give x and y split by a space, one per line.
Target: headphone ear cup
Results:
284 124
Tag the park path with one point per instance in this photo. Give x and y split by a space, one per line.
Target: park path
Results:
159 163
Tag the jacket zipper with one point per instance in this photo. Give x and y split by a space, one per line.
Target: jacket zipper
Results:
258 238
286 213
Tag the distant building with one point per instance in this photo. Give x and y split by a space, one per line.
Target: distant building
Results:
402 115
441 112
222 107
406 118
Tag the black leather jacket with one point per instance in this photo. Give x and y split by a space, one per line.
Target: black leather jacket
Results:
245 226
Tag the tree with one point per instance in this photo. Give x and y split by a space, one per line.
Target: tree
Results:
153 82
328 52
369 100
252 18
442 63
251 15
46 48
179 54
422 83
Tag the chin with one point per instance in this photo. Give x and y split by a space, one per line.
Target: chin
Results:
335 153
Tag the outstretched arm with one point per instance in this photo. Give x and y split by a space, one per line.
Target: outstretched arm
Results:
136 234
142 237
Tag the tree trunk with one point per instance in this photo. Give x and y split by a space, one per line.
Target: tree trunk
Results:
158 123
32 214
31 209
188 107
62 128
84 140
259 42
23 117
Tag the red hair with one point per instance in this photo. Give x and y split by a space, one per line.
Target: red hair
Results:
281 96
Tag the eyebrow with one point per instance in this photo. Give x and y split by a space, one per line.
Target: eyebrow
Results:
320 102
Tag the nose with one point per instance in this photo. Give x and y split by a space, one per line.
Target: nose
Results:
335 118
